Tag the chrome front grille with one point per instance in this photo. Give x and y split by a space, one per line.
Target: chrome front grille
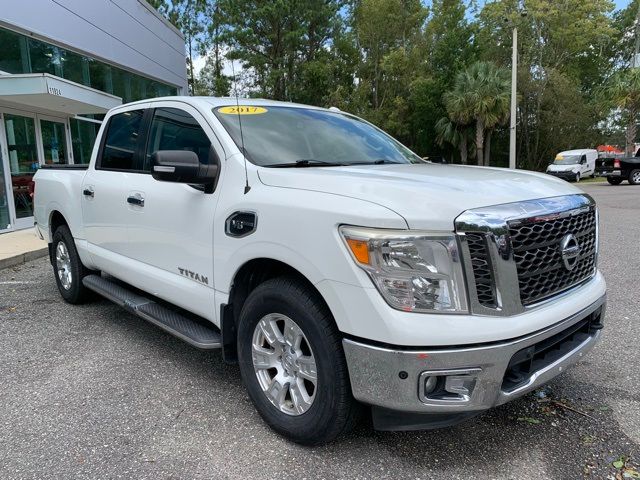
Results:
519 254
537 253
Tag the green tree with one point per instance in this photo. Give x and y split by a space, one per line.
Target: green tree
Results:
458 135
480 94
282 42
560 43
188 17
624 92
447 47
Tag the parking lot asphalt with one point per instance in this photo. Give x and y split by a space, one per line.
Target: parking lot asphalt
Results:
93 392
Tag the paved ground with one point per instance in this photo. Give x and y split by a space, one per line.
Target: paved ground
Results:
93 392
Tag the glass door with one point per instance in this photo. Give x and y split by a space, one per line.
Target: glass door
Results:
54 141
22 147
5 217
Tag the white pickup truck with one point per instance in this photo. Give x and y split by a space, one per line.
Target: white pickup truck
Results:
343 273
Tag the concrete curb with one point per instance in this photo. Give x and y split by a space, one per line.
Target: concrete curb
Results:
23 257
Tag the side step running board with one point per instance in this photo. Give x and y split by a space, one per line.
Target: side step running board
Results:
195 332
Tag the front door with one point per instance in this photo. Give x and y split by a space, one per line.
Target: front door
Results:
171 232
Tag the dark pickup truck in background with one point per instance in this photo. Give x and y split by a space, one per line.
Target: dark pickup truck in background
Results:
616 170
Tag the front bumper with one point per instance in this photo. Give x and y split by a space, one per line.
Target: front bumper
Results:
566 175
470 379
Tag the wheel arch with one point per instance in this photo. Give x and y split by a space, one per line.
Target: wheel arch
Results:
56 219
247 277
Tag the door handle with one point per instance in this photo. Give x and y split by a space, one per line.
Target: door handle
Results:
88 192
136 200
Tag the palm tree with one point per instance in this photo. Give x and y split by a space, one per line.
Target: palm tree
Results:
447 131
480 94
624 91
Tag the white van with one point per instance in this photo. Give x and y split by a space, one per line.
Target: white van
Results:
573 165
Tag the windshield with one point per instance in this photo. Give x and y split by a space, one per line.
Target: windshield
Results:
279 136
566 159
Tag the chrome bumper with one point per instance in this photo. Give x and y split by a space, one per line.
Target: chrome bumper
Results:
471 379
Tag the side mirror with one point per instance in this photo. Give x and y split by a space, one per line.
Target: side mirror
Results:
183 166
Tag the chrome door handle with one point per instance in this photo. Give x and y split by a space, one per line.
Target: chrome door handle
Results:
136 200
88 192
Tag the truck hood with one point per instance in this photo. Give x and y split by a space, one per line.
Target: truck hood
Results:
428 196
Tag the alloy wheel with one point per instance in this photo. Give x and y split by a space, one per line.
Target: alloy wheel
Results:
284 364
63 265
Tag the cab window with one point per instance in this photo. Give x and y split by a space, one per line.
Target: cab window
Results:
175 129
121 141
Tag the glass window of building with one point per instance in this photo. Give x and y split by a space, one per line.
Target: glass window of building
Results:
83 136
13 53
54 142
21 54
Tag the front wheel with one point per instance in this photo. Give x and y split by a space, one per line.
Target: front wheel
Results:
614 180
292 362
577 178
634 177
68 268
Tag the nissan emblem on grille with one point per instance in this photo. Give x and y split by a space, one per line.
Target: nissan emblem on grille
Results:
570 250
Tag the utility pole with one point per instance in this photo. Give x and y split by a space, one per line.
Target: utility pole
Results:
514 91
635 62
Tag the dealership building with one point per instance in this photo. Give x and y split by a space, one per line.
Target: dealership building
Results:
63 64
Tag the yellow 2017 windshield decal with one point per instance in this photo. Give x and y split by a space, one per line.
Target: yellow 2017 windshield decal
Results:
242 110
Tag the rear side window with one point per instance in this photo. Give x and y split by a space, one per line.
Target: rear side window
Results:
175 129
121 141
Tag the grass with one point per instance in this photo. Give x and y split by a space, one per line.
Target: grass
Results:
593 180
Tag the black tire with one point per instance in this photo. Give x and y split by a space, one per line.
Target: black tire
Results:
333 410
577 178
634 177
614 180
75 292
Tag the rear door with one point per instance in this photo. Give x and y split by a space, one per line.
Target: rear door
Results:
104 206
591 162
170 225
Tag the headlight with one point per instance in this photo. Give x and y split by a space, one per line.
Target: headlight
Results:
414 272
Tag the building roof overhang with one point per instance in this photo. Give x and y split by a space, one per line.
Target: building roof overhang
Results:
42 90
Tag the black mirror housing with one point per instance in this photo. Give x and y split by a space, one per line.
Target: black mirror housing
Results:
183 166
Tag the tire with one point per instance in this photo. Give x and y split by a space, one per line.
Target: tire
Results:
634 177
68 269
577 178
323 410
614 180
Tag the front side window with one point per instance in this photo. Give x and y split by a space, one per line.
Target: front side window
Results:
175 129
121 141
281 136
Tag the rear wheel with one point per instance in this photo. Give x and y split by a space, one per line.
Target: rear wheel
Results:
614 180
68 268
634 177
292 362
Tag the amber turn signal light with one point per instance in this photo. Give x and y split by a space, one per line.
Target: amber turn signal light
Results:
360 250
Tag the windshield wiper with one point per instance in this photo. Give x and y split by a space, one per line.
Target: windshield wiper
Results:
379 161
304 162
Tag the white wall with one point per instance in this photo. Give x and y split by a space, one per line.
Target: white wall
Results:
128 33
